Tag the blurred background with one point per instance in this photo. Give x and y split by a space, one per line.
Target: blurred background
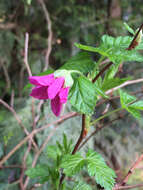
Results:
83 21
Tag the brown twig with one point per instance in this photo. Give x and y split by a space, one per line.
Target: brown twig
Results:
12 99
22 142
124 84
24 165
128 187
49 27
7 26
26 54
18 120
134 43
96 131
131 170
39 152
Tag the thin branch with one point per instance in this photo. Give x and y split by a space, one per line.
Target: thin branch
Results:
128 187
22 142
18 120
26 54
39 152
124 84
24 164
49 27
12 99
7 26
134 43
131 170
7 78
96 131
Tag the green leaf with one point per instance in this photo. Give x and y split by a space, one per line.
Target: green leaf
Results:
110 73
126 98
82 186
134 112
97 167
137 105
72 164
27 86
91 49
83 95
81 62
47 72
112 82
52 151
39 171
129 28
99 91
127 103
114 49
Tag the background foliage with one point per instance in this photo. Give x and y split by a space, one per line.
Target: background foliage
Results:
80 21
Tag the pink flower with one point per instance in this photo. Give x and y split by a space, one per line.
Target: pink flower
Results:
48 87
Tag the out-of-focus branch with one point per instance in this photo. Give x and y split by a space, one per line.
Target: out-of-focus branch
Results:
18 120
39 152
7 78
131 170
96 131
26 54
24 164
128 187
49 27
124 84
7 26
58 122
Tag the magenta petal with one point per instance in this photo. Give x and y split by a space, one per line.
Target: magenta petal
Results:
39 92
55 87
42 80
63 94
56 106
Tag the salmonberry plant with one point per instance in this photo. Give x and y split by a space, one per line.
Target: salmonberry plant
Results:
84 83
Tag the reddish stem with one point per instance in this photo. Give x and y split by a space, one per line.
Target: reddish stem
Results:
82 135
102 71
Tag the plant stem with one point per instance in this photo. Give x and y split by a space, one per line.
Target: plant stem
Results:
97 64
81 137
106 115
102 71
